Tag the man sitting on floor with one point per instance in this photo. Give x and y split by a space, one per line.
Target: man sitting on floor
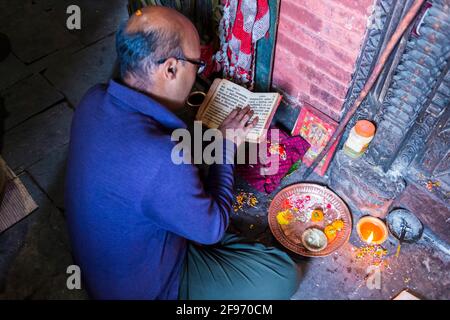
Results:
142 227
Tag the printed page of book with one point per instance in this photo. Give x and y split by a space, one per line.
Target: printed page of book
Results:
228 96
263 104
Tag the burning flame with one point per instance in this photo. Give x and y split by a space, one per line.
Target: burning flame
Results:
370 238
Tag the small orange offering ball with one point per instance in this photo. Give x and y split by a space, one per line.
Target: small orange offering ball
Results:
338 224
285 217
330 232
317 215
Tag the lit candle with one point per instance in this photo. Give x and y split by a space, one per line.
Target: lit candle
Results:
372 230
370 238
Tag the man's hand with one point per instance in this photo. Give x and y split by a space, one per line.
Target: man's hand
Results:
235 127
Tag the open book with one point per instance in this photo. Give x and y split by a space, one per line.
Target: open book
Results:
224 96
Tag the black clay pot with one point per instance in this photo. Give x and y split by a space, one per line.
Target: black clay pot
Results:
5 47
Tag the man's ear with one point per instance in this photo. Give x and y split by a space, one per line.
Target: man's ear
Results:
170 68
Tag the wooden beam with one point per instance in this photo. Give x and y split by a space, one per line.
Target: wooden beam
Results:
265 51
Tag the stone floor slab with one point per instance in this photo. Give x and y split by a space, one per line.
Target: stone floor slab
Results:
11 71
27 98
35 138
10 8
34 34
98 18
38 253
419 269
49 174
92 65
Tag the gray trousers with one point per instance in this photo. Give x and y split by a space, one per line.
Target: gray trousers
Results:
236 269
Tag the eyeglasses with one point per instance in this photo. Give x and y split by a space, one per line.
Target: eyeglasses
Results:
200 63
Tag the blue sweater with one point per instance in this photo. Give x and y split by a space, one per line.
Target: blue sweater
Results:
130 209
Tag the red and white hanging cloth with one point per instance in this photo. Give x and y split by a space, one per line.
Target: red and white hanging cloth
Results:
243 23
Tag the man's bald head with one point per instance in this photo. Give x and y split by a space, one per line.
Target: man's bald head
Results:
157 17
151 35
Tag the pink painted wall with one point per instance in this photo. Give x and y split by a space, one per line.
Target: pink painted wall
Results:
318 42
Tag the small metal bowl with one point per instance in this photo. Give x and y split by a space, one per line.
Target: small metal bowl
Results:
404 221
320 234
196 99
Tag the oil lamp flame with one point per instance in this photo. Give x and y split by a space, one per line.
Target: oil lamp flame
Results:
372 230
370 238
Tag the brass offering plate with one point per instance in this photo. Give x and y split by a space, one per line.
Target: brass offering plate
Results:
301 199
